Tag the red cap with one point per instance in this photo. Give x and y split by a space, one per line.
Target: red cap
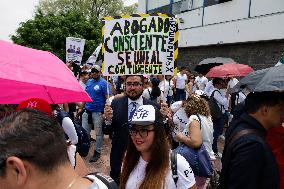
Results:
37 104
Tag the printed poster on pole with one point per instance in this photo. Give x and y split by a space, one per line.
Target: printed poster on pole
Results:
74 49
140 44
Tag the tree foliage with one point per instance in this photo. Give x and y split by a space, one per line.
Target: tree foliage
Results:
49 32
55 20
89 8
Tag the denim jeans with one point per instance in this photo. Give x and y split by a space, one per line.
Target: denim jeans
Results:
180 94
97 121
218 125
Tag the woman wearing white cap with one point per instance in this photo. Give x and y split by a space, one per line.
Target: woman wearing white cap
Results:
147 160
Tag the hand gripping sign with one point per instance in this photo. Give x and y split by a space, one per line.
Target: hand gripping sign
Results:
140 44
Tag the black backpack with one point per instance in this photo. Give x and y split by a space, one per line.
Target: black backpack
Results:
215 110
107 180
84 143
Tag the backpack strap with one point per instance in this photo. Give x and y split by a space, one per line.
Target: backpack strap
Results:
212 95
149 92
229 146
199 120
174 166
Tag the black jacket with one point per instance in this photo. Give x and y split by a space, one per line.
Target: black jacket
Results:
251 163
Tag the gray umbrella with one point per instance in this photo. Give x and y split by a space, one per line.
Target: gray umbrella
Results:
205 65
220 60
269 79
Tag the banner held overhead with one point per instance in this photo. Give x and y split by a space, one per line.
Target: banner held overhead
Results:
140 44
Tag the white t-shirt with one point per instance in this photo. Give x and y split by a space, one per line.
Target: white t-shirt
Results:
180 81
176 106
171 86
240 98
185 175
209 88
232 83
164 87
206 132
71 151
221 99
83 85
201 82
146 94
69 130
180 120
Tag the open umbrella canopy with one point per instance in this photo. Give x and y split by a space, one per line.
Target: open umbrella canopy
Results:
229 70
205 65
30 73
269 79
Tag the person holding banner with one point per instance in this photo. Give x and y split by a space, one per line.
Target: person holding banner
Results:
119 113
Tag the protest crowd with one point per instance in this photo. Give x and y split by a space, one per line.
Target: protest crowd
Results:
191 130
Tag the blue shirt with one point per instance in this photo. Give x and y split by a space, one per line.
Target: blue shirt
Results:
97 90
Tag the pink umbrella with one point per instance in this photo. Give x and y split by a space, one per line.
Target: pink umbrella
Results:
30 73
229 70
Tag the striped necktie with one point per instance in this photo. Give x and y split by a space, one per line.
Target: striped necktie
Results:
131 109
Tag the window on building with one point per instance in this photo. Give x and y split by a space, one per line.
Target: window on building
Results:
214 2
182 6
164 9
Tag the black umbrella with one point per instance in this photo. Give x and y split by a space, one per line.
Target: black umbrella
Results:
205 65
269 79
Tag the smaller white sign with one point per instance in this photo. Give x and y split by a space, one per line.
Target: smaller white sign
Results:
74 49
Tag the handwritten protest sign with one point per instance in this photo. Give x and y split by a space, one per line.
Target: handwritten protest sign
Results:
140 44
74 49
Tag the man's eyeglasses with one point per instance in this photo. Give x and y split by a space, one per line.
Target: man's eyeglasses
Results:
142 132
135 84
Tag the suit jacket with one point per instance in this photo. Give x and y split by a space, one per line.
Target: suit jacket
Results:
120 118
120 133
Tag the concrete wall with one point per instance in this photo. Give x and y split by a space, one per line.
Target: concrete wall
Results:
258 54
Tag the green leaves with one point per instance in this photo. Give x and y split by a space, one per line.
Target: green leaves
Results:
55 20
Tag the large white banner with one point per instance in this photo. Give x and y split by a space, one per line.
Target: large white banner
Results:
140 45
74 49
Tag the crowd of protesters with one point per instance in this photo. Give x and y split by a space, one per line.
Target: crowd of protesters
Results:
147 118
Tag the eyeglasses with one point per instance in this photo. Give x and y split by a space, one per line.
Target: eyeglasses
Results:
142 132
135 84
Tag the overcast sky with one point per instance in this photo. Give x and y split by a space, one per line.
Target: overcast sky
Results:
13 12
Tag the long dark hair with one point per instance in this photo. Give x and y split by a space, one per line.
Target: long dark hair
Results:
157 166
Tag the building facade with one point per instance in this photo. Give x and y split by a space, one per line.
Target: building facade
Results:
249 31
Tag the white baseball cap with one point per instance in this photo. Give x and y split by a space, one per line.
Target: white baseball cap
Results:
144 115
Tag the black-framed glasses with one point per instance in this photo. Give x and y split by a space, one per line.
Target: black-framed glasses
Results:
134 84
142 132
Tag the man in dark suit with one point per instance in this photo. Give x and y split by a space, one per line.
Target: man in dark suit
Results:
117 116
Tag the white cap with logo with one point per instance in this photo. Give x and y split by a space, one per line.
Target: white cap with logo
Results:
144 115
